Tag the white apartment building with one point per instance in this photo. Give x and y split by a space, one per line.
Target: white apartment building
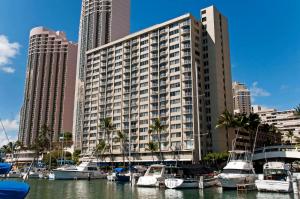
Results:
178 71
241 98
101 22
284 120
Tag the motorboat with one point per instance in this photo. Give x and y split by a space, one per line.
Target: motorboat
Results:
181 183
155 175
12 189
85 170
276 177
14 174
238 170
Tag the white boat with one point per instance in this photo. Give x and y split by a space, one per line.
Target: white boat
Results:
238 170
180 183
86 170
276 178
155 175
14 174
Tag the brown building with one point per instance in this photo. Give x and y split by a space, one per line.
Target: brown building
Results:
49 86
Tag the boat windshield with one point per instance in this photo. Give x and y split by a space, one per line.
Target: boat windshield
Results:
275 174
239 156
155 171
237 171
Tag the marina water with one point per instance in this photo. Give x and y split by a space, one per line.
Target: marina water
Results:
102 189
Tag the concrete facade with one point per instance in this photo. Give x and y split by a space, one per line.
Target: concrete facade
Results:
284 120
101 21
49 86
178 71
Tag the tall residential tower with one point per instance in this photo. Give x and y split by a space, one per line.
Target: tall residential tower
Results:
101 21
241 98
178 71
49 86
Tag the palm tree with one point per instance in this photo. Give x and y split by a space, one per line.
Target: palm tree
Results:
100 147
226 120
290 135
107 125
122 138
297 110
152 146
253 123
158 127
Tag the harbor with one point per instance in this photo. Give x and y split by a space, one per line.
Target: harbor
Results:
103 189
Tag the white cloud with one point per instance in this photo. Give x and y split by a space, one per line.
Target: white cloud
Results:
11 127
258 92
7 69
7 52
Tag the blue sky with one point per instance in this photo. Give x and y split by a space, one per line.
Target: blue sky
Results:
264 41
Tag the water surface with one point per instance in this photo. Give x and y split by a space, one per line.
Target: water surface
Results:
102 189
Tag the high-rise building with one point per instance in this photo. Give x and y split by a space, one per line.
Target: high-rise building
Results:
101 21
49 86
241 98
216 74
178 71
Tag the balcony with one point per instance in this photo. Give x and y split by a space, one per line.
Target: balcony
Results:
185 31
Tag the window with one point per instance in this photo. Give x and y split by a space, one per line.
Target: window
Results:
203 19
174 47
203 12
174 32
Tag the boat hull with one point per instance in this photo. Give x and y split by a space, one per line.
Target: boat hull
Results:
149 181
230 181
274 186
174 183
76 175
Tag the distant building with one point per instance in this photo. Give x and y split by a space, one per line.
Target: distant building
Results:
178 71
101 22
24 157
241 98
284 120
49 86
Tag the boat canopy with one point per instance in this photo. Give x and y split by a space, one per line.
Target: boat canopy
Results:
12 189
119 170
5 168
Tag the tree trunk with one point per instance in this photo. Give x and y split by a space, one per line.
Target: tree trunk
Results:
159 142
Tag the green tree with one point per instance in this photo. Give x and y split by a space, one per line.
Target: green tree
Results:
75 156
216 159
226 120
290 135
153 147
42 141
55 156
122 138
252 126
100 148
297 110
107 125
158 127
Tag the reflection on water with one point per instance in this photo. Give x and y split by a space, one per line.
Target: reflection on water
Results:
44 189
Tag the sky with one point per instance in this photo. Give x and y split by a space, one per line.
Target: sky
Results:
264 44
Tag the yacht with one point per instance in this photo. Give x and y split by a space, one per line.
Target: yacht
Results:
155 175
85 170
276 178
238 170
